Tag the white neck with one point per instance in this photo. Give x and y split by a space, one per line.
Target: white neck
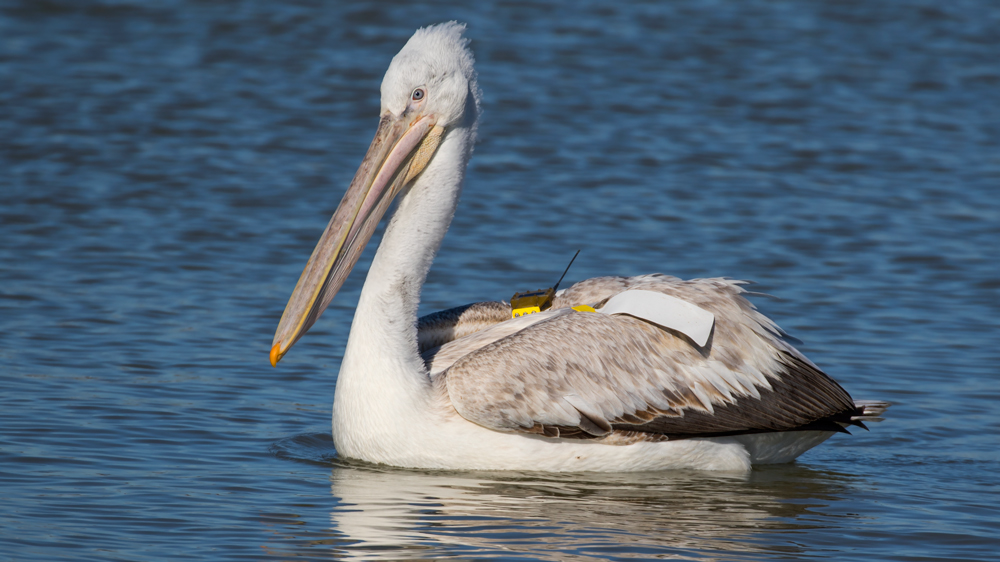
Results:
383 381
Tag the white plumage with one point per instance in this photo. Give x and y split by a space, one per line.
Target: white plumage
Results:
560 390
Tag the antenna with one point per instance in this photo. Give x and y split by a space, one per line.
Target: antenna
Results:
531 302
556 287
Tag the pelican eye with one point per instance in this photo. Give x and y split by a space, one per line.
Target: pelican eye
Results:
418 94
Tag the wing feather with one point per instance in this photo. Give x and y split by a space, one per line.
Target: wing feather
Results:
582 374
441 327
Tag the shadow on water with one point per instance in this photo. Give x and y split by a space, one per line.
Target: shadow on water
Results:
378 512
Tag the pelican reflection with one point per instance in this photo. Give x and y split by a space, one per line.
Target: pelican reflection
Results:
390 514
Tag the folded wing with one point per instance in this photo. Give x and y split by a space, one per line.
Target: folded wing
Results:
587 375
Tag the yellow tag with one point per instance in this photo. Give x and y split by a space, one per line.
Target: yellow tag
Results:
517 312
584 308
522 304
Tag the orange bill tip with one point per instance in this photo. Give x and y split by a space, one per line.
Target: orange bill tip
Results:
275 354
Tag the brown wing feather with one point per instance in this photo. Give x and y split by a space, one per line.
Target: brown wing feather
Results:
444 326
586 375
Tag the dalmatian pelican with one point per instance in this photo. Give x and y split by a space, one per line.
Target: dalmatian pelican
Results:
617 374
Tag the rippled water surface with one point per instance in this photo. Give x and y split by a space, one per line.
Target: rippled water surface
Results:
168 166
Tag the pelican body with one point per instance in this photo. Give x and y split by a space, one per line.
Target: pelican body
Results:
566 389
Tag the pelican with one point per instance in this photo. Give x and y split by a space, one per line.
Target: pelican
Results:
618 374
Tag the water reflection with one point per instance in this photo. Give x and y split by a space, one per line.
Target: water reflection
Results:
380 513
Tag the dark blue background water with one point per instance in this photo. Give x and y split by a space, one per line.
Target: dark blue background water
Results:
167 167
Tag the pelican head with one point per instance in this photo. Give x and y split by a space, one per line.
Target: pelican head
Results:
429 89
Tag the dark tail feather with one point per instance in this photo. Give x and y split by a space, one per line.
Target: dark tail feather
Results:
868 411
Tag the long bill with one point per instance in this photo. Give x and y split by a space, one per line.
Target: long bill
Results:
401 149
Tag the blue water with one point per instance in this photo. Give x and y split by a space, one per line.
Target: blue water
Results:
167 167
